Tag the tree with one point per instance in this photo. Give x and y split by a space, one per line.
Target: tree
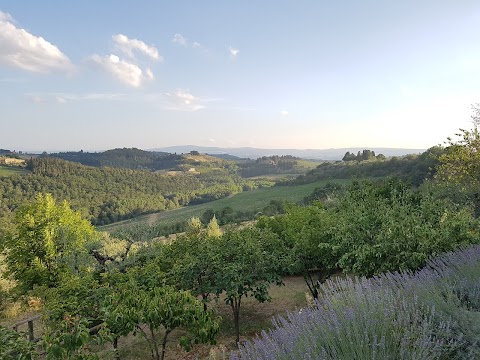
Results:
460 163
14 345
192 262
308 234
207 216
194 226
49 241
459 169
250 259
161 307
213 230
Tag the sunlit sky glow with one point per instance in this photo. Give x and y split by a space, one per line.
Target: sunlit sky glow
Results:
96 75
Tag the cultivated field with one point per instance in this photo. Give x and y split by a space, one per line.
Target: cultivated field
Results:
11 170
246 201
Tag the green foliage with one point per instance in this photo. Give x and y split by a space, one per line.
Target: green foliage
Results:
307 232
75 295
193 265
324 193
14 346
69 339
108 195
49 241
251 259
460 163
363 156
213 230
165 308
269 165
246 206
11 170
194 226
371 229
412 168
390 227
123 158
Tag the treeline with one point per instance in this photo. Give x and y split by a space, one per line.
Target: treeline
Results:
412 168
136 159
106 194
129 158
271 165
362 156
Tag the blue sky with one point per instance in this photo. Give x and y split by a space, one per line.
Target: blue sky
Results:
95 75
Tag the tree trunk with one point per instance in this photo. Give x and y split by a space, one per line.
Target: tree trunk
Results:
235 304
155 345
164 343
115 348
204 300
311 284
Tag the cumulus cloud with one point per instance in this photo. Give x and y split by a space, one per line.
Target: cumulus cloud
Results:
197 45
21 49
122 70
284 113
179 39
233 52
182 100
127 46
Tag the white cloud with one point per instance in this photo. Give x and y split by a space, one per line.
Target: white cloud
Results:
179 39
63 98
196 45
20 49
122 70
182 100
233 52
36 99
149 74
284 113
60 99
127 46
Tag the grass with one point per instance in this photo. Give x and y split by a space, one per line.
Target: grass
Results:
308 164
253 200
11 170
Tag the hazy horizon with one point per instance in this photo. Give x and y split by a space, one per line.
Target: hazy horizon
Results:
272 75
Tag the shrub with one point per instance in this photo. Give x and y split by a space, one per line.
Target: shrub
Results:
430 314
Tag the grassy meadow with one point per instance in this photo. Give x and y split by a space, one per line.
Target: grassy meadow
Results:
11 170
244 201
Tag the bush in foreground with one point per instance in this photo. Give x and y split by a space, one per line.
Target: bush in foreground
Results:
430 314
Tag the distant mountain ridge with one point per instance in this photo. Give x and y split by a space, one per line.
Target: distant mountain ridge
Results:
317 154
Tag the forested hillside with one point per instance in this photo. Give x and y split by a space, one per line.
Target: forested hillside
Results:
274 165
410 168
130 158
107 194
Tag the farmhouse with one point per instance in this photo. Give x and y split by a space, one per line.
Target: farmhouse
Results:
11 161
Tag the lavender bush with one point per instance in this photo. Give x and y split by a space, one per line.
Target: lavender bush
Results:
429 314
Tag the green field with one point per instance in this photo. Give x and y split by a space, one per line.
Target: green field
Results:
245 201
309 164
11 170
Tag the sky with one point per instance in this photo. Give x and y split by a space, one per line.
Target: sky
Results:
96 75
